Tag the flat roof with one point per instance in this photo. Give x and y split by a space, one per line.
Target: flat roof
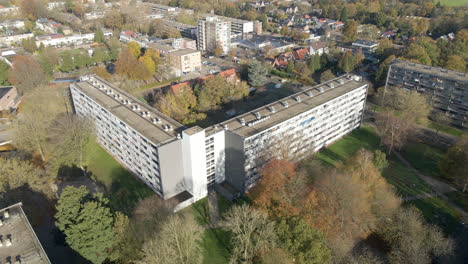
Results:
449 74
264 118
24 243
182 52
150 123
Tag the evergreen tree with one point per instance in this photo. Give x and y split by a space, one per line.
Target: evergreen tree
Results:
257 74
344 15
290 67
99 35
317 62
67 62
346 62
86 222
3 73
311 63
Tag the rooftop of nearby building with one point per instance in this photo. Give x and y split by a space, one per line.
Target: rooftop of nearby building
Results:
269 115
368 43
5 90
183 52
155 126
444 73
19 242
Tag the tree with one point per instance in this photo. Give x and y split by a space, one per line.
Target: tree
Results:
180 105
326 76
48 58
29 44
86 222
257 74
99 35
134 48
418 53
380 160
149 63
411 240
454 165
39 110
102 72
350 31
455 63
252 232
177 243
126 245
403 110
344 15
218 50
4 73
130 67
72 136
359 57
172 32
32 9
290 68
217 90
113 19
305 243
346 62
26 66
15 173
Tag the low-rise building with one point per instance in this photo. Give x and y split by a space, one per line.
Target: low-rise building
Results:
318 48
49 26
13 40
367 46
19 243
184 61
9 98
59 40
12 24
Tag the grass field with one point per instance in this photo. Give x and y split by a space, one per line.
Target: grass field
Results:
459 198
215 246
424 158
439 212
122 187
446 129
452 2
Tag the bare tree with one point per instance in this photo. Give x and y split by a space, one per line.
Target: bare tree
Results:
252 233
15 173
39 110
26 74
177 243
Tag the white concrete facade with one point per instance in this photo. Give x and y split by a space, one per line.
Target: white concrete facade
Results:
179 159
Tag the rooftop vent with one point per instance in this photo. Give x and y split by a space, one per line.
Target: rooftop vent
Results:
109 91
253 123
225 127
101 86
298 98
272 109
145 113
8 241
321 89
310 93
156 120
166 127
170 127
242 121
341 81
178 136
285 104
331 85
258 115
6 214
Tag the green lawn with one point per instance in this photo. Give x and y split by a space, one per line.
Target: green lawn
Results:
446 129
459 198
157 84
215 246
122 187
424 158
406 182
452 2
439 212
344 148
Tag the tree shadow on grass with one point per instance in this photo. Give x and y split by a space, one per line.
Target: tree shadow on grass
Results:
126 191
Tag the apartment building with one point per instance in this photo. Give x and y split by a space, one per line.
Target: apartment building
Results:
213 32
447 90
239 27
19 243
185 61
177 161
